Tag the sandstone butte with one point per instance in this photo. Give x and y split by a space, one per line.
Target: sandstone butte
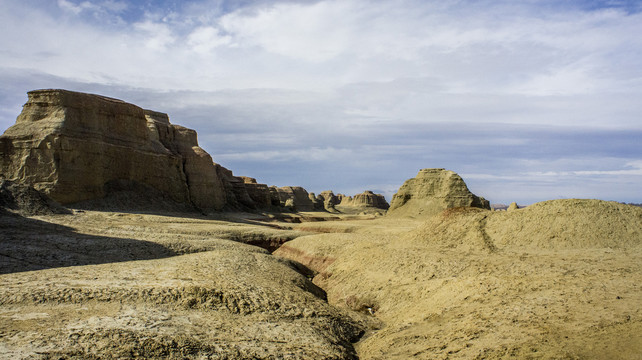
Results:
76 147
432 191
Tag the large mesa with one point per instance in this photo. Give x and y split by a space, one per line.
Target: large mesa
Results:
77 147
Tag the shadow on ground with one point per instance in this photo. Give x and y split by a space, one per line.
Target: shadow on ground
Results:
29 244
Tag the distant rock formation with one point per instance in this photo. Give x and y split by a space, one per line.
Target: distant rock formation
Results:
365 199
432 191
329 200
77 147
294 198
259 193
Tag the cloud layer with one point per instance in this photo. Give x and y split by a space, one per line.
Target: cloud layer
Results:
527 101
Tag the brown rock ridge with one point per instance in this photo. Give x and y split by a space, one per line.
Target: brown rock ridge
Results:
77 147
432 191
70 145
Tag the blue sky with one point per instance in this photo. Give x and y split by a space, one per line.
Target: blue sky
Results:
528 101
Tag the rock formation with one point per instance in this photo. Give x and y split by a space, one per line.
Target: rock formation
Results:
317 202
76 147
259 193
71 145
432 191
365 199
329 200
293 197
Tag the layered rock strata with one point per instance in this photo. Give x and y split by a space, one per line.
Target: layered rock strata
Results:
432 191
75 147
69 145
292 197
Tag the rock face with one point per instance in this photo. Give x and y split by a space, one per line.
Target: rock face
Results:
293 197
432 191
71 145
329 200
259 193
75 147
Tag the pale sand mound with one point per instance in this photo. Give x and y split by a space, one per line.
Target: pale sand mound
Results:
554 224
475 284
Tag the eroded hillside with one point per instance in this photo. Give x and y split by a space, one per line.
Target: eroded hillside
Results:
559 279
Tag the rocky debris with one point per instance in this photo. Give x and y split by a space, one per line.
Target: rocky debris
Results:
69 145
27 201
294 198
432 191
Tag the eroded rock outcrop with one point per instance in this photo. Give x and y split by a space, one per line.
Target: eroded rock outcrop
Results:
293 197
329 200
259 193
365 199
432 191
70 145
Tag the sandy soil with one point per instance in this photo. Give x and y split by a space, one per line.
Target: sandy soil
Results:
126 285
567 284
560 280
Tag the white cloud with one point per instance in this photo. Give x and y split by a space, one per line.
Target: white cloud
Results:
71 7
156 36
394 85
316 32
313 154
97 8
205 39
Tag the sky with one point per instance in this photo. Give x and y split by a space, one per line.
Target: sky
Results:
527 100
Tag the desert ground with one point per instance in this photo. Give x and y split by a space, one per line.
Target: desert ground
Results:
557 280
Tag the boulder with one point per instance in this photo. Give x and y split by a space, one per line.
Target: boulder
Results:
69 145
431 192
